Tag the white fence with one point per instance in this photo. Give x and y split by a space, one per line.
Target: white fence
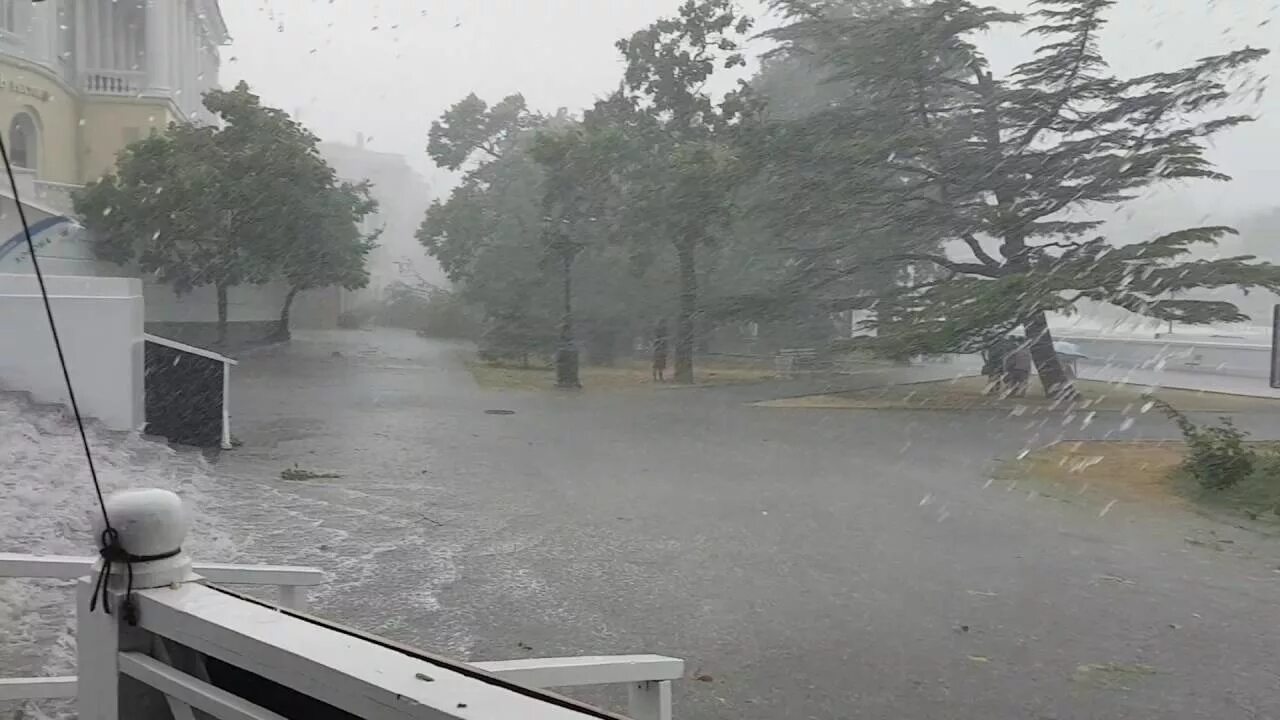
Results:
1242 357
291 581
183 623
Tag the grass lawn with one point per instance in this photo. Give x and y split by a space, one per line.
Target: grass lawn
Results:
624 375
969 393
1145 473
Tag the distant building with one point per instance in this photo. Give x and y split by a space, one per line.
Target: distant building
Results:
403 196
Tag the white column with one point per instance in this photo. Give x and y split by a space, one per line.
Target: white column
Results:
173 48
93 34
80 22
156 40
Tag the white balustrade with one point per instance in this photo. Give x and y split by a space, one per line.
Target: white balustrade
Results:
190 635
114 82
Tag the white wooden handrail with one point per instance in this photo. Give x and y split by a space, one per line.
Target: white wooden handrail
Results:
290 580
71 567
356 674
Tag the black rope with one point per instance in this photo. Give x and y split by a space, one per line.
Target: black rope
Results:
111 550
114 553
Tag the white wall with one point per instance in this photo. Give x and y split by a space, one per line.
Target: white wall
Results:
245 303
99 320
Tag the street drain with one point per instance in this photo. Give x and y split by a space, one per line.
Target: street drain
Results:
499 412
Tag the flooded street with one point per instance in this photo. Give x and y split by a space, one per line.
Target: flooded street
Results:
895 584
671 522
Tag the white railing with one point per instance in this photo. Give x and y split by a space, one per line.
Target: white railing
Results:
291 582
182 627
647 677
114 82
363 675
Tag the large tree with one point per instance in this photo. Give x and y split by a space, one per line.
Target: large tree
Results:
580 199
487 233
243 202
525 205
683 165
939 153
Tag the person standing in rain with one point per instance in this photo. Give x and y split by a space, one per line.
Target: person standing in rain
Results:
660 351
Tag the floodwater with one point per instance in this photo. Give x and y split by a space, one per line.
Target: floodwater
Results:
804 563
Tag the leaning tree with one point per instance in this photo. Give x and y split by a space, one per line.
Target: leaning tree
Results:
981 194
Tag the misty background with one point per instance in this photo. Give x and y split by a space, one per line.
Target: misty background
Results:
380 71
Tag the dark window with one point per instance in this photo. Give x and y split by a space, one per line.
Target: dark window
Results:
23 141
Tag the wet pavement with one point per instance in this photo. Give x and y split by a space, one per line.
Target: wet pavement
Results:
822 564
806 564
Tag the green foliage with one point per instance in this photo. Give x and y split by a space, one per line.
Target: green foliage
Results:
487 235
924 149
513 334
681 166
431 310
330 248
876 162
1217 456
470 125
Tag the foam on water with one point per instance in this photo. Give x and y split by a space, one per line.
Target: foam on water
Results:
45 503
383 570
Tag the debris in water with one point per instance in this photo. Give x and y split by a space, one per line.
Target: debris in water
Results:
499 411
1111 676
297 473
1107 509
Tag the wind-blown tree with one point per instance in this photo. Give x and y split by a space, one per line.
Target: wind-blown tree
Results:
329 249
490 235
487 233
682 163
154 211
224 206
470 126
937 152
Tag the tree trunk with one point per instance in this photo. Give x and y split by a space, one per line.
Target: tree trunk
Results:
567 354
222 314
282 330
1052 377
686 316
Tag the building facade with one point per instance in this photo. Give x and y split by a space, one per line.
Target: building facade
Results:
81 79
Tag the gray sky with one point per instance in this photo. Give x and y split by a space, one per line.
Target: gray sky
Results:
387 68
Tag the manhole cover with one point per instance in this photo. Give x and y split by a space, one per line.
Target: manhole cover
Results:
499 412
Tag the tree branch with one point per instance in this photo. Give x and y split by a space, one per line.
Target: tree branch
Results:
940 261
978 252
1064 97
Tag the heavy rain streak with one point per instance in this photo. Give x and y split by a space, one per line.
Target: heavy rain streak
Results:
842 358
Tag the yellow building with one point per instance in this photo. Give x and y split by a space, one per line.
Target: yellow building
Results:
80 79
